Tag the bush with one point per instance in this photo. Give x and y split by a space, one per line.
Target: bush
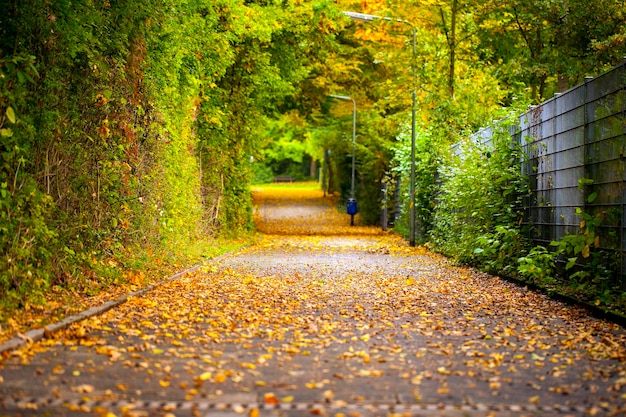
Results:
26 240
480 198
538 266
427 160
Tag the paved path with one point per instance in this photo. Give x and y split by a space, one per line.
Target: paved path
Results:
320 318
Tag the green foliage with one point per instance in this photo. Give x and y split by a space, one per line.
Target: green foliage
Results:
127 129
590 268
427 159
587 271
538 266
263 174
480 190
549 46
284 149
26 240
499 250
373 151
267 65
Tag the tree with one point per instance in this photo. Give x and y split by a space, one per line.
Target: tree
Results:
541 44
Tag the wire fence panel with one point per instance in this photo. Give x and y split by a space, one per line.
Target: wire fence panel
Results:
575 148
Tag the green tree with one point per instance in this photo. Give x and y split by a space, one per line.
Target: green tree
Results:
549 46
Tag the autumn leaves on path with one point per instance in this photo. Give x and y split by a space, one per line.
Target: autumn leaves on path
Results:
320 317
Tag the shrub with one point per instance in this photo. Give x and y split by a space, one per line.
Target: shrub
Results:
479 198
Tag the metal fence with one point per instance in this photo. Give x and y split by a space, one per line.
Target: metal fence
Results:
575 145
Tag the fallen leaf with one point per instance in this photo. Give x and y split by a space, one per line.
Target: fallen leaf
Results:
83 389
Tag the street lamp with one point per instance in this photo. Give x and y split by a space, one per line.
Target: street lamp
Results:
351 201
363 17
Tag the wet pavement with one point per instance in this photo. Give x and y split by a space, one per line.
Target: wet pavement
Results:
321 318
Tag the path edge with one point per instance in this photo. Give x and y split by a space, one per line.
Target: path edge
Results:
36 335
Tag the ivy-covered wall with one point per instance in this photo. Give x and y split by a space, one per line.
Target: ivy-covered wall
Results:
127 129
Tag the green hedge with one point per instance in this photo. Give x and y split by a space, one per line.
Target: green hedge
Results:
127 130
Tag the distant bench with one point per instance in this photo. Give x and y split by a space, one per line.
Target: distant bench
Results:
284 178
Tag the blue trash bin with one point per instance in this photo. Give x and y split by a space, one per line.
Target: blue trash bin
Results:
351 206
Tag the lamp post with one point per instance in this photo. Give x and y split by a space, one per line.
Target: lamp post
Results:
352 199
363 17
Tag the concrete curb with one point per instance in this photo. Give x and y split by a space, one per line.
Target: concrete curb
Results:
37 335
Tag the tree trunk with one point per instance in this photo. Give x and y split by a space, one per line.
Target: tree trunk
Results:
451 40
452 48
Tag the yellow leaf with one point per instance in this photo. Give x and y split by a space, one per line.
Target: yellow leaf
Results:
287 399
534 399
10 114
443 371
83 389
164 383
205 376
254 412
585 252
